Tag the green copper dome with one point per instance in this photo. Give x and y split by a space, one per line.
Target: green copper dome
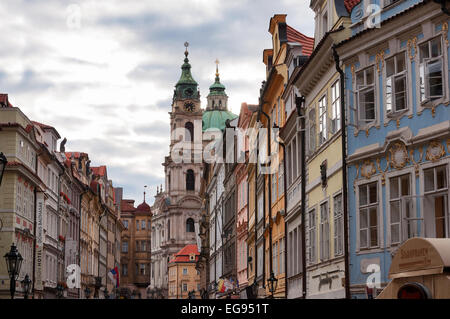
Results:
216 119
186 86
217 88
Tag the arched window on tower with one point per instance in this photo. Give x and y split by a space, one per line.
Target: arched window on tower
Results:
189 132
190 225
190 180
168 230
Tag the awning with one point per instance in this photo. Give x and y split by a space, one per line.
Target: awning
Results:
421 256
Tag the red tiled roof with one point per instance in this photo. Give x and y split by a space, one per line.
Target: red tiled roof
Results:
350 4
127 205
183 255
100 171
4 100
75 154
306 42
46 127
42 126
144 207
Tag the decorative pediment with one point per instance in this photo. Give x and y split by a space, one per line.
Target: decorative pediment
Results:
190 202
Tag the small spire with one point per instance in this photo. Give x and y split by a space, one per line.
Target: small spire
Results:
145 188
217 68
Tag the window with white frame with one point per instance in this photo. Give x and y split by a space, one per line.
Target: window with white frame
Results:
399 187
338 226
324 232
275 258
323 120
335 107
274 187
436 206
395 82
289 164
312 130
260 206
368 215
280 179
312 236
260 261
365 92
431 70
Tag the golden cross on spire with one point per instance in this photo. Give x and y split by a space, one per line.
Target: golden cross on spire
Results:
186 44
217 67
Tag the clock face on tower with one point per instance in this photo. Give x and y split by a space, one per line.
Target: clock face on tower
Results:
189 106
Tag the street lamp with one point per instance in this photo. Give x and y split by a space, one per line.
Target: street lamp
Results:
106 293
13 263
26 284
3 162
98 285
272 282
191 294
59 291
87 292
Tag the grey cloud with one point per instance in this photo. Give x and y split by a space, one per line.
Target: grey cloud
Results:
30 81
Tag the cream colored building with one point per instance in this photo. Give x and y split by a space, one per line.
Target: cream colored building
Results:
183 277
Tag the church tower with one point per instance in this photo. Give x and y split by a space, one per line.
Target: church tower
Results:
178 207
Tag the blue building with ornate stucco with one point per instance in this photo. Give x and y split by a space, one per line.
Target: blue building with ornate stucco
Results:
398 133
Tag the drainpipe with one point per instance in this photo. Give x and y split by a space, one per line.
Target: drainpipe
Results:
269 191
256 213
285 222
79 234
60 223
34 232
344 172
299 101
443 6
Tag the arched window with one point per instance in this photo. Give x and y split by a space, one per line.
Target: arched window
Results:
168 229
190 225
190 180
189 132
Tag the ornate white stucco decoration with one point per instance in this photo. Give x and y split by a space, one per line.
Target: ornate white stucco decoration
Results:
368 169
399 155
435 151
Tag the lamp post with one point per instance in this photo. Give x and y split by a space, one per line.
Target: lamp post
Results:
191 294
26 284
87 292
3 162
272 282
13 263
59 291
98 285
106 293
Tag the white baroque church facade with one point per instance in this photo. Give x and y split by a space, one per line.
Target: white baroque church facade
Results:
177 209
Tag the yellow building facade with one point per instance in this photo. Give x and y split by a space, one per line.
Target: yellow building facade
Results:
184 278
319 83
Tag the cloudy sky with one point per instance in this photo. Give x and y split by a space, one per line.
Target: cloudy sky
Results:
103 72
